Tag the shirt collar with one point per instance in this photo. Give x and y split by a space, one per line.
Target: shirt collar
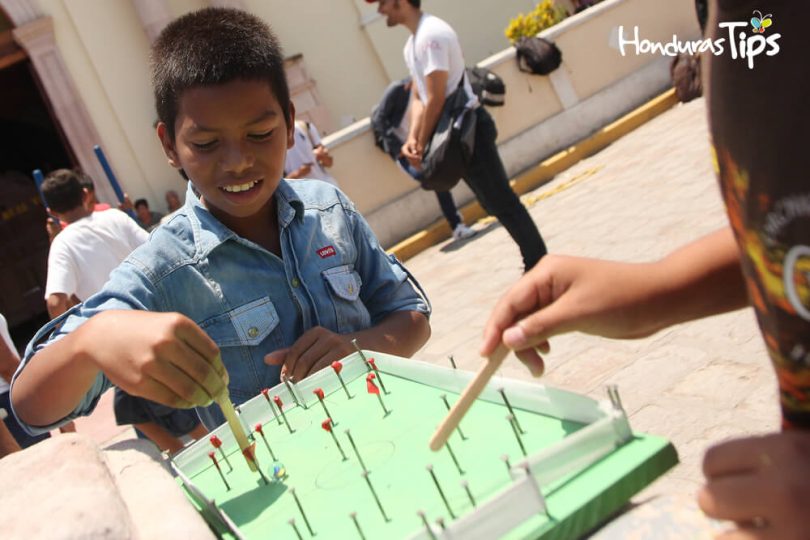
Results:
209 232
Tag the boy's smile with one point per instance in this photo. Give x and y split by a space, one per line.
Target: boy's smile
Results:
231 140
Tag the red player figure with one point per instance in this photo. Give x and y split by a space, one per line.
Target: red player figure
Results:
372 389
217 443
327 426
338 367
213 457
374 368
319 392
250 455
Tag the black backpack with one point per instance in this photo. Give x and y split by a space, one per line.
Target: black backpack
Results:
489 88
537 55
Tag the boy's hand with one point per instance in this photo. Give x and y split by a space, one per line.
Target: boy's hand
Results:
412 152
316 349
164 357
563 294
323 156
761 483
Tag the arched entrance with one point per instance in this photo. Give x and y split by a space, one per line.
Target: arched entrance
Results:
29 139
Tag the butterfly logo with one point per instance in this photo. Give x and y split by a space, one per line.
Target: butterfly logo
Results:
761 23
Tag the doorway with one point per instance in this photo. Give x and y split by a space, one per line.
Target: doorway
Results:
29 139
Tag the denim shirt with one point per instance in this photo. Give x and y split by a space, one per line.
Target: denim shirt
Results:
332 273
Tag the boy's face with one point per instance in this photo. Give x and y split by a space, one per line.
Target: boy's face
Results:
231 140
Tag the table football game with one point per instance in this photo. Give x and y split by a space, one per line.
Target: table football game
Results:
344 454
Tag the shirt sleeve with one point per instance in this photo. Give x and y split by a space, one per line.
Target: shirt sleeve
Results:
127 289
387 286
436 55
62 271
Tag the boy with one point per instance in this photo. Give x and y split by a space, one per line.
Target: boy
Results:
253 276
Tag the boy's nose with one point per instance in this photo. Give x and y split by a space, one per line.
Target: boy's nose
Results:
237 159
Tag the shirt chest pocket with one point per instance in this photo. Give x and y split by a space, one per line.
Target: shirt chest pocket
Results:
344 285
247 325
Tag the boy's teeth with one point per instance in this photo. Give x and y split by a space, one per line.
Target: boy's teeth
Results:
240 187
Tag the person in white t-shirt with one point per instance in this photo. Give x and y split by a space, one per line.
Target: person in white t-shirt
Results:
80 261
308 158
434 57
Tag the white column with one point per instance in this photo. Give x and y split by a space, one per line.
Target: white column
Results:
21 11
37 39
154 15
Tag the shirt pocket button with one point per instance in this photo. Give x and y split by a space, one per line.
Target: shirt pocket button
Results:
253 332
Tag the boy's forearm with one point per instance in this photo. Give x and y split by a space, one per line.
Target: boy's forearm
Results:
401 333
701 279
55 380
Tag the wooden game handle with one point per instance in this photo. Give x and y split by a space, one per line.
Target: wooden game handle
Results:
468 396
224 402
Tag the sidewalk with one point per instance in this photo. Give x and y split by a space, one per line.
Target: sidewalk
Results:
648 193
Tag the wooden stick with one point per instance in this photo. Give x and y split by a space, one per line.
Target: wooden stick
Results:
224 402
468 396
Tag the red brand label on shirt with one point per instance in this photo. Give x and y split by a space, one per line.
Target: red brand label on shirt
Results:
327 251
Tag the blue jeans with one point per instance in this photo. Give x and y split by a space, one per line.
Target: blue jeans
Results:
488 180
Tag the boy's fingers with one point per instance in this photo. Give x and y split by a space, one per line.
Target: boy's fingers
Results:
738 498
277 357
197 368
197 339
737 456
533 361
179 383
155 390
310 359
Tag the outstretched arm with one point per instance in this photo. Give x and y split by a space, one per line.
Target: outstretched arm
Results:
616 300
164 357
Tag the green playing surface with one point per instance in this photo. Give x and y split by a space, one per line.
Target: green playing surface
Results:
395 451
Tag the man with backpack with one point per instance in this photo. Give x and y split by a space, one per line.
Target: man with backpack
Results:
389 122
434 57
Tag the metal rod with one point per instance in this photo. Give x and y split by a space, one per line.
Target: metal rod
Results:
354 447
511 420
291 521
466 486
301 509
447 404
502 392
453 456
441 492
427 525
353 515
364 474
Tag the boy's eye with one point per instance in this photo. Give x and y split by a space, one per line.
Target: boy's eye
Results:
205 145
261 136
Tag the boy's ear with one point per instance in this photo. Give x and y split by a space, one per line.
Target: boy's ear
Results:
291 127
168 145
